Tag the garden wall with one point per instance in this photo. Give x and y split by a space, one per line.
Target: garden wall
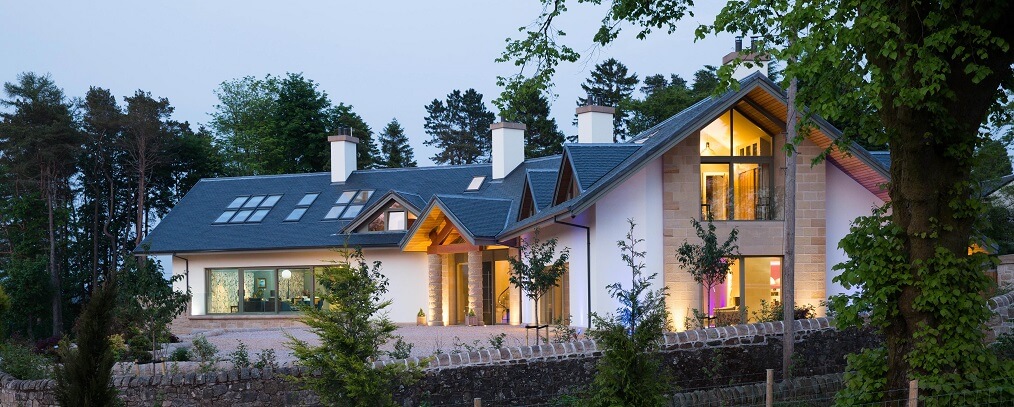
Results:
519 375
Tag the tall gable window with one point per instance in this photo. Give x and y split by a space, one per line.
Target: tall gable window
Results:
248 209
736 169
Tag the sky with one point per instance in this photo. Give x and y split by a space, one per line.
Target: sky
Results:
387 59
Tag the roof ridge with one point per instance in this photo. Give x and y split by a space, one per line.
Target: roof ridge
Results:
242 177
485 198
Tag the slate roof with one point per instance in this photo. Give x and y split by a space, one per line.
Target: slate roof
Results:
543 183
995 185
883 157
593 161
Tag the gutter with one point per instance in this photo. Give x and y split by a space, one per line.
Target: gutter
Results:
587 239
186 271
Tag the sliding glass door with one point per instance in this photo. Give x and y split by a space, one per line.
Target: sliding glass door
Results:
259 290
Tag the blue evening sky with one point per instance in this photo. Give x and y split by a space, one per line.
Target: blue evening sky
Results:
386 58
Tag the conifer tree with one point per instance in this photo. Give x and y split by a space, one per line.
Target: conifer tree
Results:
610 85
529 106
395 152
85 376
459 126
367 154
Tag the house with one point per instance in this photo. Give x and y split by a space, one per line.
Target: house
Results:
248 246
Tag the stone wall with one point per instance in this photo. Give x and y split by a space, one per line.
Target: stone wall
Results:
1005 271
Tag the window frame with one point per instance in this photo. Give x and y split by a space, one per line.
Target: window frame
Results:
241 291
731 161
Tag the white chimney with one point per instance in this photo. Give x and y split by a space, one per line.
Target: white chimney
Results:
343 156
757 62
508 147
595 124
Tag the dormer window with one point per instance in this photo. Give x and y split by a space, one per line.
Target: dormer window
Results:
392 217
476 183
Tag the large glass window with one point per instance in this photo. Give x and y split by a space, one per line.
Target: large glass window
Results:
752 283
260 290
736 169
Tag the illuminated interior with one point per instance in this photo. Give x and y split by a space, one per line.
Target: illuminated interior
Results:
736 176
750 281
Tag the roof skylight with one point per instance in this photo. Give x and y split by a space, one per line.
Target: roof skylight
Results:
248 209
476 183
349 204
301 207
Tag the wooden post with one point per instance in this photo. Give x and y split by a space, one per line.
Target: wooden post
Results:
913 393
769 395
477 402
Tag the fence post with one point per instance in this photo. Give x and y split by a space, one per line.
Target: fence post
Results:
477 402
913 393
769 394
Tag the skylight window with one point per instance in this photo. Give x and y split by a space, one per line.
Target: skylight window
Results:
248 209
476 183
349 204
301 207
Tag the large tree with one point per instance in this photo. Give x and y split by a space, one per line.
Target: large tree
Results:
243 122
933 70
147 136
610 85
531 107
664 97
40 141
367 154
395 152
459 126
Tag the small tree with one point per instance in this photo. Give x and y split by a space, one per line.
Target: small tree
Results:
351 326
708 262
535 271
85 378
629 373
150 302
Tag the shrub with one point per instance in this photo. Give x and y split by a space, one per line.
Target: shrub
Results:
23 363
180 354
351 331
1004 346
240 357
48 346
206 353
629 372
119 347
266 359
562 331
85 378
773 311
496 341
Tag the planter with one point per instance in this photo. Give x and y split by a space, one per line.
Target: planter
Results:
420 321
472 320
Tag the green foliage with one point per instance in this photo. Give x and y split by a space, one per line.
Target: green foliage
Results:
240 357
266 359
537 269
630 373
402 349
529 106
1004 347
610 85
459 127
395 152
663 98
947 357
180 354
352 326
20 361
709 261
497 341
997 221
562 331
85 376
773 311
149 303
206 353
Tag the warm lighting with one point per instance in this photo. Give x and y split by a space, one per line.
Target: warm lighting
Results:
286 274
776 263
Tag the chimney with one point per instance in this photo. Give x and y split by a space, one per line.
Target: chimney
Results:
595 124
508 147
343 155
757 62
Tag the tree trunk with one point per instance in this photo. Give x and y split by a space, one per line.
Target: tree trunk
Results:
54 275
139 226
789 260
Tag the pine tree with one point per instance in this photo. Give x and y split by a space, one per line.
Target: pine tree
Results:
367 155
395 152
609 85
664 98
529 106
85 376
459 126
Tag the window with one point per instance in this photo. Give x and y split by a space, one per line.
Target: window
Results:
476 183
260 290
348 205
301 207
751 281
392 217
248 209
736 169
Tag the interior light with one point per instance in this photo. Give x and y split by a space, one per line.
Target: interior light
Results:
286 274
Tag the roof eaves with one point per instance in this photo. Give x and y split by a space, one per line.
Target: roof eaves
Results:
379 203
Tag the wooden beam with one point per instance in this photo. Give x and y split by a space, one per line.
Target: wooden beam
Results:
452 248
443 233
774 120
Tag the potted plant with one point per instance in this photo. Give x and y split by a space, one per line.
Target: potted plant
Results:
470 318
420 318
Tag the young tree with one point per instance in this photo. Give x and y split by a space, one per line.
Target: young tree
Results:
610 85
537 269
149 302
351 325
629 373
459 126
933 70
530 106
85 376
40 142
395 152
709 261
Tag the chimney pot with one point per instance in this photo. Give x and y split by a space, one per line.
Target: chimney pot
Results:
739 43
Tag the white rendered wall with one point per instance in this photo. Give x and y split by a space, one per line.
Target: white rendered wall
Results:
508 150
406 271
343 160
594 127
638 198
573 238
742 71
846 200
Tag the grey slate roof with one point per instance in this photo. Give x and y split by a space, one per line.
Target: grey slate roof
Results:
543 183
883 157
995 185
593 161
